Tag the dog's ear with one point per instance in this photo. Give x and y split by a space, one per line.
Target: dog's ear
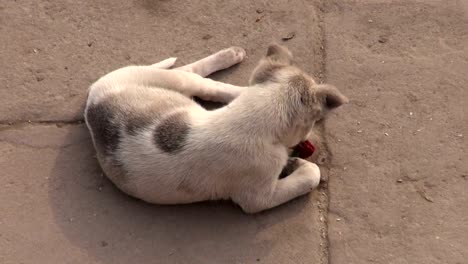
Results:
277 58
330 97
279 54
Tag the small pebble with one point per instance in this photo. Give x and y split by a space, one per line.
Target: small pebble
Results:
259 10
359 131
460 135
289 36
382 39
207 37
386 134
410 113
427 198
399 180
370 21
338 219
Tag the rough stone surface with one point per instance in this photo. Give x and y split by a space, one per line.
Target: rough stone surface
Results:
57 208
51 51
397 180
398 183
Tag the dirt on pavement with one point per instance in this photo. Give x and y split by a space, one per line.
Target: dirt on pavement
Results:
398 185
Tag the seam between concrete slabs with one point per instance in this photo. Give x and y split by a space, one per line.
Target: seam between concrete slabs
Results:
324 192
42 122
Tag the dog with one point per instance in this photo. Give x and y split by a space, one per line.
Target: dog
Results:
155 143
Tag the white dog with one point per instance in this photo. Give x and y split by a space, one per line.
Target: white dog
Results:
155 143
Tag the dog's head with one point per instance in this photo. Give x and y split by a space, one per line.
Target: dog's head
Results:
303 100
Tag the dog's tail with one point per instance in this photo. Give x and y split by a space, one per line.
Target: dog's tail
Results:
165 64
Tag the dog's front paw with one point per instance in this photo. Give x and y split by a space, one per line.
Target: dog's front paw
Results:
239 53
233 55
313 174
310 173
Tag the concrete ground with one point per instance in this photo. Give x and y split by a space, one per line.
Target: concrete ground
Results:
394 158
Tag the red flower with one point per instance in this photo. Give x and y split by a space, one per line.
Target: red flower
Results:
303 150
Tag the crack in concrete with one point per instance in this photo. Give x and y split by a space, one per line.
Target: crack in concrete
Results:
323 203
31 146
324 193
58 123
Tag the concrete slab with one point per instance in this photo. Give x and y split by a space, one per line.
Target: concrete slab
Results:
57 208
399 176
51 51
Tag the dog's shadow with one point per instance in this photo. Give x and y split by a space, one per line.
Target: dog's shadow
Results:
111 227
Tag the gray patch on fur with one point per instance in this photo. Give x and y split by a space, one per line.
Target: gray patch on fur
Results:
171 134
290 167
105 129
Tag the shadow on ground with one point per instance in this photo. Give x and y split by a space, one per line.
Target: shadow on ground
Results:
115 228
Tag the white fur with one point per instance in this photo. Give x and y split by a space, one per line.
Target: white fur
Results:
236 152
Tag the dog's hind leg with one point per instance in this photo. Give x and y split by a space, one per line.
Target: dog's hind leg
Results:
191 84
187 83
220 60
